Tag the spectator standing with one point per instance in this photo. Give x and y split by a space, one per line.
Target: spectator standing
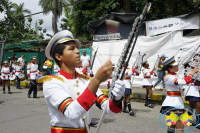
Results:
85 60
49 64
18 70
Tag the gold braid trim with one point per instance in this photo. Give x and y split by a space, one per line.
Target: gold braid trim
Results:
83 76
49 78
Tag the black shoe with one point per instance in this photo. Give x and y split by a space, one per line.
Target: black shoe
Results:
4 92
20 88
150 106
92 124
125 111
198 126
131 113
193 124
28 95
145 104
35 97
9 92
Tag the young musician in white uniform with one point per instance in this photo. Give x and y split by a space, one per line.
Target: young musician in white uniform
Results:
18 70
174 100
128 90
192 95
147 83
5 74
70 95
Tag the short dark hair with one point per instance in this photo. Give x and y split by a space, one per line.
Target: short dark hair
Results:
166 68
59 50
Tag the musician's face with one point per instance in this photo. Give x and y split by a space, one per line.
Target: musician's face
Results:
5 64
147 65
70 57
174 69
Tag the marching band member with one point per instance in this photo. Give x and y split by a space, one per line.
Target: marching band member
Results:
128 88
173 99
192 95
71 95
32 71
49 64
17 70
147 83
56 69
5 74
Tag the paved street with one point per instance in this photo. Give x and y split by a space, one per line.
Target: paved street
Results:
19 114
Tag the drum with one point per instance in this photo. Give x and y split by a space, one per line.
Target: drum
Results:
12 77
21 77
39 79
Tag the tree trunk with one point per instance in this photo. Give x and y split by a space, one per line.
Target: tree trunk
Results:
127 6
54 17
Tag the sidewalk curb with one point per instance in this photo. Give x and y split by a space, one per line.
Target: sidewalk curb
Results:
139 97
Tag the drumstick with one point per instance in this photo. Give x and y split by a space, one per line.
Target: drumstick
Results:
32 82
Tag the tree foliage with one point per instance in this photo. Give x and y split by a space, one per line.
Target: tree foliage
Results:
77 16
14 25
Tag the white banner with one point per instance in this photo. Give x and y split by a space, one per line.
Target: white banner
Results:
171 24
170 44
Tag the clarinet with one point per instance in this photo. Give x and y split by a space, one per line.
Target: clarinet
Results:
126 54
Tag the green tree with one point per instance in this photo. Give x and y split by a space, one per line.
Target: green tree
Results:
50 4
19 10
78 15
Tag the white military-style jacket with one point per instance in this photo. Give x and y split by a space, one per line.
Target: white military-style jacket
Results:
65 109
147 76
172 85
56 69
17 70
32 70
5 73
127 77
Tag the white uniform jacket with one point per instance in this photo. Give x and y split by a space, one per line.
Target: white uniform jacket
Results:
147 76
172 83
56 69
5 73
127 77
67 111
32 70
17 70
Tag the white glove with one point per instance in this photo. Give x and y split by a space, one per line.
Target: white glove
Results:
119 89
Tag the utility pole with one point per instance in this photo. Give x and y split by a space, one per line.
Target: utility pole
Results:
2 50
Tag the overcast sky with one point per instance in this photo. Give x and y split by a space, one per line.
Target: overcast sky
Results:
32 5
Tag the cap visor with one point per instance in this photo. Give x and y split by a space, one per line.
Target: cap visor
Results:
175 64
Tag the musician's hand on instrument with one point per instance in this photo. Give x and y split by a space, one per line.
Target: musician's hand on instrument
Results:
4 76
118 90
195 70
104 72
136 66
87 65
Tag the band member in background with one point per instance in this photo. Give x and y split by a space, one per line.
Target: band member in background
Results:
147 83
17 70
32 71
5 74
22 61
71 95
56 69
128 89
192 95
85 60
161 73
174 100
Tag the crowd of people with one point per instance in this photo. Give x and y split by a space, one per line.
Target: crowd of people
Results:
72 91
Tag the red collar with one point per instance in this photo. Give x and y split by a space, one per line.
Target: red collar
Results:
145 67
172 73
5 66
32 63
66 74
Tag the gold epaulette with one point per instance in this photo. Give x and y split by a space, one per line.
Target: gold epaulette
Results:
83 76
166 76
50 77
143 69
29 63
3 66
